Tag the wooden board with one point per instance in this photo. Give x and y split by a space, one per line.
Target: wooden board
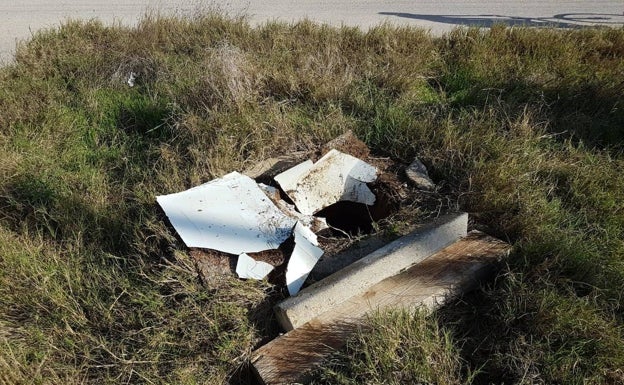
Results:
455 269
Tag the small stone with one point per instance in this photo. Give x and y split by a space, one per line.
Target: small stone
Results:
417 173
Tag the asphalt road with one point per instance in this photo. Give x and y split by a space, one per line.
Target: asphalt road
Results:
20 19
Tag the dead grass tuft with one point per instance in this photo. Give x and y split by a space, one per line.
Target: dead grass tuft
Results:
229 80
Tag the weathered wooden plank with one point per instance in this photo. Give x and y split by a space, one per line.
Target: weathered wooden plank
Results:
288 358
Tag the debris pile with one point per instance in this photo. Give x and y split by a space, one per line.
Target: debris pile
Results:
236 215
279 218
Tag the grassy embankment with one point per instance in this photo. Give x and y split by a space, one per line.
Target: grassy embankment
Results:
523 128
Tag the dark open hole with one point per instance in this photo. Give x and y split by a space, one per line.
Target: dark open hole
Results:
357 218
351 217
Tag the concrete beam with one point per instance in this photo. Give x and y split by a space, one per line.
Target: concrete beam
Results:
375 267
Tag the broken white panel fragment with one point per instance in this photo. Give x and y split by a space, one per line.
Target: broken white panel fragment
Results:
315 223
335 177
304 256
289 178
249 268
270 191
229 214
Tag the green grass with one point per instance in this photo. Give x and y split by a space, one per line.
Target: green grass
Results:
402 348
522 128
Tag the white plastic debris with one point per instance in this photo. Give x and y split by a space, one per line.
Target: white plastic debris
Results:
236 215
230 214
335 177
315 223
249 268
305 255
270 191
289 178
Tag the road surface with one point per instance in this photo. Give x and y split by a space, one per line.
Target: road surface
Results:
20 19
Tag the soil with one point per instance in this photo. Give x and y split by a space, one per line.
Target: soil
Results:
349 144
213 265
272 257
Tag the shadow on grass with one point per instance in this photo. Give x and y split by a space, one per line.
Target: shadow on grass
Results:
582 112
508 333
562 20
263 320
473 319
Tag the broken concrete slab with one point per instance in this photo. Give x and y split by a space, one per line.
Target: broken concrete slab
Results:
335 177
453 270
381 264
249 268
304 256
417 173
230 214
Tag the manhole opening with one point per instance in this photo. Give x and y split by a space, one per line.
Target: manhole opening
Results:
348 217
354 218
